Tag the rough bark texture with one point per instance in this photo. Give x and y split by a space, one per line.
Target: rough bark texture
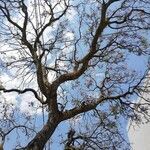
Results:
43 136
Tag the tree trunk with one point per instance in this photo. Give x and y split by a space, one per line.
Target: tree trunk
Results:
43 136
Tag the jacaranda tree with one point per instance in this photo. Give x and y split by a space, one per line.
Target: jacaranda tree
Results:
70 61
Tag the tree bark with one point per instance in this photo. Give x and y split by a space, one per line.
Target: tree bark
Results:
43 136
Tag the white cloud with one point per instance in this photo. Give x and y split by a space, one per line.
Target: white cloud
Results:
29 104
9 54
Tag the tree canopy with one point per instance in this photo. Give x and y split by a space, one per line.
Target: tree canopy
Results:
66 61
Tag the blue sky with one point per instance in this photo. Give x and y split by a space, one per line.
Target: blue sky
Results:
134 62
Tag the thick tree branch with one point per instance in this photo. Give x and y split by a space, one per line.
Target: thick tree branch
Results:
77 73
88 106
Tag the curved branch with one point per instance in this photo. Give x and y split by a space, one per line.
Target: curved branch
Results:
85 60
51 21
6 13
85 107
24 91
